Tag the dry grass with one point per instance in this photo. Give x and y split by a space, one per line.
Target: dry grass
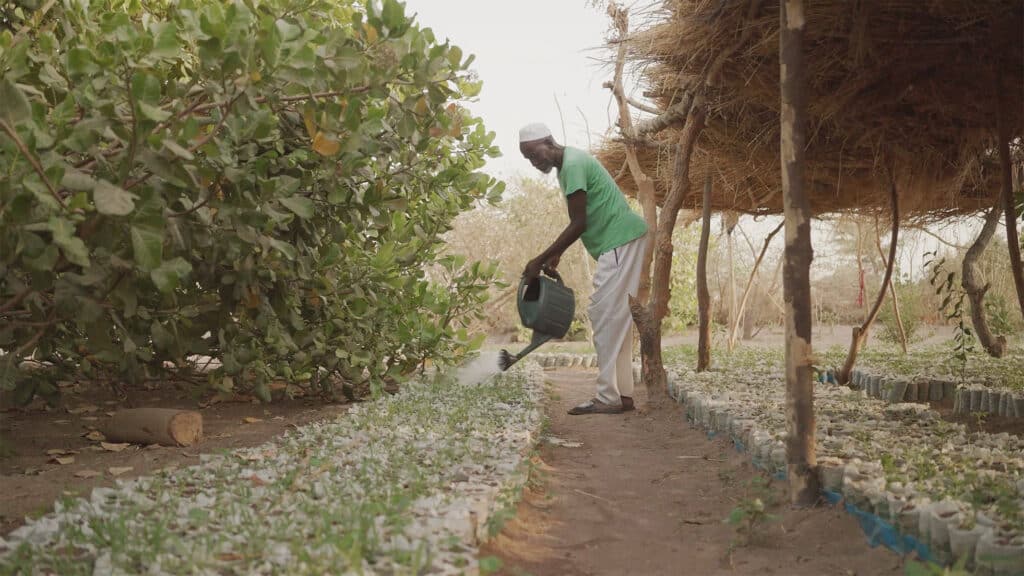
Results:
913 86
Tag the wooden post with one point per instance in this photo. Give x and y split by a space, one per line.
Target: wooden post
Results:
994 345
801 463
703 295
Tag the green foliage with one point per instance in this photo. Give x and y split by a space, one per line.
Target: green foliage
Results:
751 513
1002 317
911 313
683 282
261 181
954 307
490 564
917 568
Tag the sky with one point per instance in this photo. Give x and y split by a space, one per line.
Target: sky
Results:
533 56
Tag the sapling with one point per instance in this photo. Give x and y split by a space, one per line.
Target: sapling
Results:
954 309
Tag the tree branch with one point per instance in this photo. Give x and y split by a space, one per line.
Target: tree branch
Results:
750 281
37 17
13 302
32 160
643 106
940 238
672 115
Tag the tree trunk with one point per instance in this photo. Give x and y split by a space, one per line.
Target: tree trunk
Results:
703 295
860 333
801 463
647 323
1009 208
746 291
892 292
994 345
649 318
749 323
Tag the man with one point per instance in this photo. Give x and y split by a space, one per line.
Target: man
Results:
614 235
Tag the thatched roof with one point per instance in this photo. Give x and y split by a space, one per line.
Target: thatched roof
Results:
913 84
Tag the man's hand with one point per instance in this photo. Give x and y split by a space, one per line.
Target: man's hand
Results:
552 263
532 270
537 265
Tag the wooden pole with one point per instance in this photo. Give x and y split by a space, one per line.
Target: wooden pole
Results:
801 463
703 295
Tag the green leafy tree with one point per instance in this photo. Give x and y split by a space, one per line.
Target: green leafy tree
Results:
266 182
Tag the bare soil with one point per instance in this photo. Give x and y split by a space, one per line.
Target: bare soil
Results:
32 480
646 493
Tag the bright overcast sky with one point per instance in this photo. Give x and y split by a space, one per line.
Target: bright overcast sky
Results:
528 53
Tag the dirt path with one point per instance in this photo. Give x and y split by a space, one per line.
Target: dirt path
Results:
645 493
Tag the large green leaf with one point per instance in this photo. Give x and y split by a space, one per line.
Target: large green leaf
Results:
170 274
166 44
112 199
299 205
147 246
14 106
153 112
73 248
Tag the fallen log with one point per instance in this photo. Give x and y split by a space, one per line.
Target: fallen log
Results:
164 426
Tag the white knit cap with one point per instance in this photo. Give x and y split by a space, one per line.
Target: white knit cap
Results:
534 131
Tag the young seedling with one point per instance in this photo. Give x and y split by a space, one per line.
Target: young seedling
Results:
751 514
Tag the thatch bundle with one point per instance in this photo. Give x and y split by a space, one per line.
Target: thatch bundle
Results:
911 87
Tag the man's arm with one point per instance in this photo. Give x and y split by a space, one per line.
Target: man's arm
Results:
577 226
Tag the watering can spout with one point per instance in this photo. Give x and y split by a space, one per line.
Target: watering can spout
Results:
547 306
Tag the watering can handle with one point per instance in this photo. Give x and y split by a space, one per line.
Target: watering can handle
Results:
551 272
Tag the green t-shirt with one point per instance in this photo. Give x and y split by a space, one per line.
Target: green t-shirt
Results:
610 221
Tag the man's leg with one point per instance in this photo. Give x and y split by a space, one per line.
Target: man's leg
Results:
606 319
631 258
617 276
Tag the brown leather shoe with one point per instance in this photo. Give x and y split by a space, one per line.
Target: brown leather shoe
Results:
627 403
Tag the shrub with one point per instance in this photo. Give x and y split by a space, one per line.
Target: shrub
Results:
265 182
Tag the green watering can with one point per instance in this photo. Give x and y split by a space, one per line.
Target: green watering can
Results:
547 306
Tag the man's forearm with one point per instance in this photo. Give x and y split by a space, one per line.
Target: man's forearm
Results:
568 236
